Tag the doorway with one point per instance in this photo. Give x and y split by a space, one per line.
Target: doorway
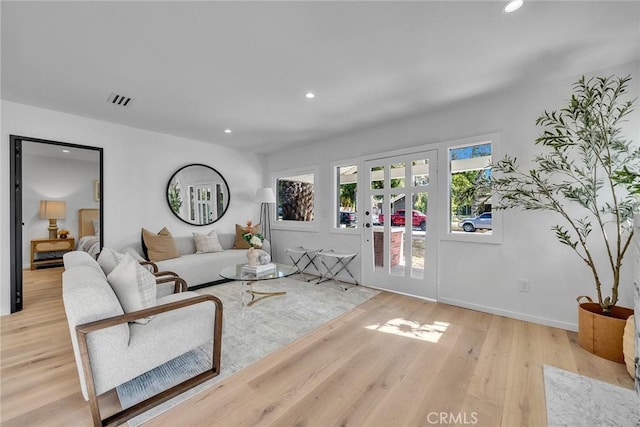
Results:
399 244
58 156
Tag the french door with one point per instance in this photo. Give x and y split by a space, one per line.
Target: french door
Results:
399 244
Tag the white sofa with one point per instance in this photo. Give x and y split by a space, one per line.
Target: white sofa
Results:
110 350
199 270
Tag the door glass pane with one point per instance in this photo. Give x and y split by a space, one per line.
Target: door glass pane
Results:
419 234
397 175
420 172
396 235
378 234
377 177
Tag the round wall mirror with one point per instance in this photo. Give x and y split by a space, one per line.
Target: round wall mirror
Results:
198 194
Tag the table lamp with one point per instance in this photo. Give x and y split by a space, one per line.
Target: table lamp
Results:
53 210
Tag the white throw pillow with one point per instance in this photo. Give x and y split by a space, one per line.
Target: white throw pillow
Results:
134 286
206 243
109 259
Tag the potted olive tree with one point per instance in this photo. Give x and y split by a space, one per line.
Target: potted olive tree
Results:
582 175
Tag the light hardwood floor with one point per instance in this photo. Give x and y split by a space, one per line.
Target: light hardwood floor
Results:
442 359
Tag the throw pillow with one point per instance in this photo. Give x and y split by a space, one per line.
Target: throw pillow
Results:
134 286
158 247
240 243
109 259
206 243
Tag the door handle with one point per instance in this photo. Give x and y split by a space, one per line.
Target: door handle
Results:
367 225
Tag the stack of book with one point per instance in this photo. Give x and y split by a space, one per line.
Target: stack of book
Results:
259 270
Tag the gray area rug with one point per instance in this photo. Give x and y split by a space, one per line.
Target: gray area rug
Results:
575 400
249 334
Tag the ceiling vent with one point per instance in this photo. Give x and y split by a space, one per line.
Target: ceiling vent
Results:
121 100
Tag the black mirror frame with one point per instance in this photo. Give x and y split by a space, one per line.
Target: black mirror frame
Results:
166 193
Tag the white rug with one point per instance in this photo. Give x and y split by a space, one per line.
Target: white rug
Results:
249 334
575 401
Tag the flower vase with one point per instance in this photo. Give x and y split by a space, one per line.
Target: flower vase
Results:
252 257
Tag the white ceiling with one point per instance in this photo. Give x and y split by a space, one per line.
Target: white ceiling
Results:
196 68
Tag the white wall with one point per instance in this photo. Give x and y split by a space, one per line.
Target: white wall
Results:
54 178
475 275
137 167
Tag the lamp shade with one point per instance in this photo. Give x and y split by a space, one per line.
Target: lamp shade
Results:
53 209
265 195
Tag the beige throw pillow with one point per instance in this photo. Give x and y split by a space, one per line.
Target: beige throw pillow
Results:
158 247
134 286
206 243
240 243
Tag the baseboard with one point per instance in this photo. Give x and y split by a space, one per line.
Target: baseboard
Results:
402 293
511 314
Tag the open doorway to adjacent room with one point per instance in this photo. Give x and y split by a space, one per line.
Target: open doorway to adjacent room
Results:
56 205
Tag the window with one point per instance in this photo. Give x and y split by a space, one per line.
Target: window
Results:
295 198
346 188
470 189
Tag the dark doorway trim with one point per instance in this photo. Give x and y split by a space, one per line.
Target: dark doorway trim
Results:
15 208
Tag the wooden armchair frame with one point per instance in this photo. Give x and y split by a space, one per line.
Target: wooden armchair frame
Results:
126 414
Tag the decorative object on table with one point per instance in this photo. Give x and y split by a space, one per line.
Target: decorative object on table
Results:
263 257
254 240
259 269
578 177
63 234
53 210
240 242
265 197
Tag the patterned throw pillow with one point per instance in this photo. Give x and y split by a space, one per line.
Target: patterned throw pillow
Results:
158 247
206 243
109 259
134 286
240 243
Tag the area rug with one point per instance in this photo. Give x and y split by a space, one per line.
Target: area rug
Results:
249 334
575 400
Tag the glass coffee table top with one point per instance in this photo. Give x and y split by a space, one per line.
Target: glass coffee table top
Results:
235 273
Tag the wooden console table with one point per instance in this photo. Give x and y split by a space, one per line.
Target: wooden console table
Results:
50 245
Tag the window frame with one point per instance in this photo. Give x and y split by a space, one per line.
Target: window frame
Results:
313 225
496 236
334 228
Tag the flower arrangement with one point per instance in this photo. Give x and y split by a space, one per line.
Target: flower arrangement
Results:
63 233
254 239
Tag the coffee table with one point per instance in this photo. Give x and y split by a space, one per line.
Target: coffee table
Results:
235 273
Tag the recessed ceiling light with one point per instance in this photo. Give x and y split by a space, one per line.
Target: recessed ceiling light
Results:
227 131
65 151
309 95
512 6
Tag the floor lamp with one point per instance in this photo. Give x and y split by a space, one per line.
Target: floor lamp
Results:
265 197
